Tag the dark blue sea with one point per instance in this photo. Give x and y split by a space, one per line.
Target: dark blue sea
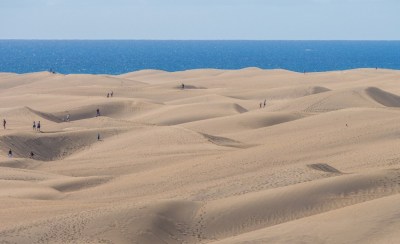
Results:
116 57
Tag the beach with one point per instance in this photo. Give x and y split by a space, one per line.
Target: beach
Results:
201 156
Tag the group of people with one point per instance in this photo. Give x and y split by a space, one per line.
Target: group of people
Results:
263 104
36 126
10 154
110 94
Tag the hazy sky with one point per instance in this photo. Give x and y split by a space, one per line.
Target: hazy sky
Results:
201 19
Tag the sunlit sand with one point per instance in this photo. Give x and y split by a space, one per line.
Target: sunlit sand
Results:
210 163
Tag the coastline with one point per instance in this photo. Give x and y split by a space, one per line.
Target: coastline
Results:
203 69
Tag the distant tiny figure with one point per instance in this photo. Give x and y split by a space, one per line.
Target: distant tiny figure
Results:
67 118
346 125
376 68
4 123
260 105
31 155
183 86
112 94
108 95
97 112
265 102
98 136
34 125
10 154
38 125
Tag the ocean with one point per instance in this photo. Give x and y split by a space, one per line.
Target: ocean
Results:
117 57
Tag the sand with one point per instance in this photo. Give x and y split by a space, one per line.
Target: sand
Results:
320 163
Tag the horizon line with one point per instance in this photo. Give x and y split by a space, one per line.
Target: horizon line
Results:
83 39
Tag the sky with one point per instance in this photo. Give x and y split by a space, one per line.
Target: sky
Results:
201 19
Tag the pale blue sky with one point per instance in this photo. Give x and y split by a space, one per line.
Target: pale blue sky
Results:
201 19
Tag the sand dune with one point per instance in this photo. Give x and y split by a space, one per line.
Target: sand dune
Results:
25 116
385 98
242 122
205 164
364 220
159 76
190 112
75 183
9 81
245 213
279 93
203 99
50 146
114 109
370 97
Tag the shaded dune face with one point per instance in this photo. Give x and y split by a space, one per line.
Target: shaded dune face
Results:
385 98
205 164
370 97
52 146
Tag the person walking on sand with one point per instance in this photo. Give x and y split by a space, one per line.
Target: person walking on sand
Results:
260 105
98 136
34 125
31 155
108 95
97 112
183 86
112 93
4 123
265 102
67 119
10 154
38 125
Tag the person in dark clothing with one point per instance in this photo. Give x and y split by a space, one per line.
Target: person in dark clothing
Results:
112 93
38 125
31 155
4 123
10 154
98 136
97 112
183 86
